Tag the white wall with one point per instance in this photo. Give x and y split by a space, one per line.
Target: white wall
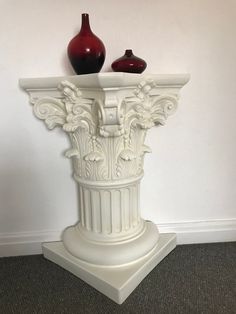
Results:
191 175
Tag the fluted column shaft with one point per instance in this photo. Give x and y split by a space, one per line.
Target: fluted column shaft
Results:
109 212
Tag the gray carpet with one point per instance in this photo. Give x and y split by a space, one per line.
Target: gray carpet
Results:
192 279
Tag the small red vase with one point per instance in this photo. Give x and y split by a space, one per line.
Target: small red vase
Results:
129 63
86 51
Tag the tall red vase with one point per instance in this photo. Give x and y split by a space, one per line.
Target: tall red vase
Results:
86 51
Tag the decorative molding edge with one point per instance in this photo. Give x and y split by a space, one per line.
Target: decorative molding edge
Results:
26 243
208 231
190 232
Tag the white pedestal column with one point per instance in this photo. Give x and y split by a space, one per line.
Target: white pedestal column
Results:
110 224
106 117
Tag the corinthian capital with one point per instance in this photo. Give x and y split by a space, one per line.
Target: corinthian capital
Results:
106 117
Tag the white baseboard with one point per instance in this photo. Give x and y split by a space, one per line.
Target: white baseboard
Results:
26 243
29 243
208 231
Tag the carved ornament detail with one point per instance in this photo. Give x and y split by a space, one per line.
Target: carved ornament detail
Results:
107 132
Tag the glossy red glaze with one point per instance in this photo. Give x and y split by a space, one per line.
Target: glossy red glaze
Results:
86 51
129 63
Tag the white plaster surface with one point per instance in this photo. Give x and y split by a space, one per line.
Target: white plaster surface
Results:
106 117
117 283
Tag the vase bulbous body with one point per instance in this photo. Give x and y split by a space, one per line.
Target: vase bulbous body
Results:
129 63
86 51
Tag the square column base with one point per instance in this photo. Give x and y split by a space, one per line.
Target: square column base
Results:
116 282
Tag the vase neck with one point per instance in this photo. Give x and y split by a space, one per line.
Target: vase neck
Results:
128 52
85 26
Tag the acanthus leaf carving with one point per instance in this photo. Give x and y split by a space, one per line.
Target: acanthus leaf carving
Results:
146 149
79 113
107 132
51 110
148 109
70 112
72 153
94 156
127 155
143 89
70 92
163 106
